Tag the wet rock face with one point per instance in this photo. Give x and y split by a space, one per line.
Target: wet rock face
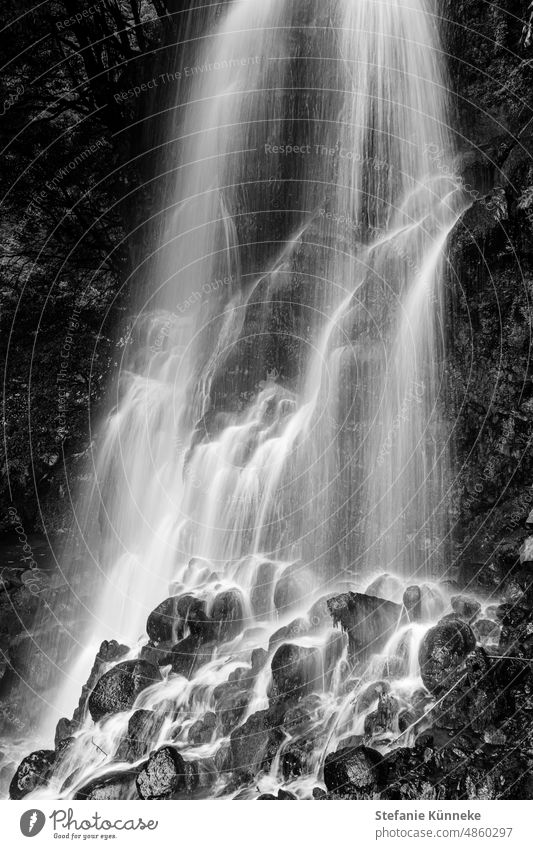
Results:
118 688
262 592
465 607
412 601
116 785
163 775
293 588
189 655
143 726
357 770
296 671
227 615
443 649
162 622
369 621
201 732
255 743
33 772
386 586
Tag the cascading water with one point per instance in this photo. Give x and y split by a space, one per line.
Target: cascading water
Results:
277 438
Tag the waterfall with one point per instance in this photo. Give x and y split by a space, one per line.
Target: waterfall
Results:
277 434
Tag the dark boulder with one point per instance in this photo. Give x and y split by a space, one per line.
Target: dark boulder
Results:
443 649
163 621
143 726
227 615
465 607
486 628
357 771
189 655
381 720
192 616
368 621
262 591
296 671
116 785
163 775
296 628
201 732
386 586
118 688
231 701
65 728
255 743
293 588
258 660
33 772
412 601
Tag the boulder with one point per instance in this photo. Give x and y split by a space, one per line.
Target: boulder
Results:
189 655
386 586
297 628
262 591
163 775
255 743
526 550
231 701
369 621
227 614
355 771
32 773
296 671
192 616
115 785
412 601
201 732
293 588
486 629
465 607
162 623
381 721
118 688
443 649
258 660
143 726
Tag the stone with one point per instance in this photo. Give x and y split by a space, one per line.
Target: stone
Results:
254 743
32 773
297 628
357 770
412 601
296 671
115 785
143 726
465 607
201 732
189 655
162 623
381 720
526 551
117 689
369 621
258 660
443 648
65 728
293 588
163 775
486 628
227 615
231 701
262 591
386 586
